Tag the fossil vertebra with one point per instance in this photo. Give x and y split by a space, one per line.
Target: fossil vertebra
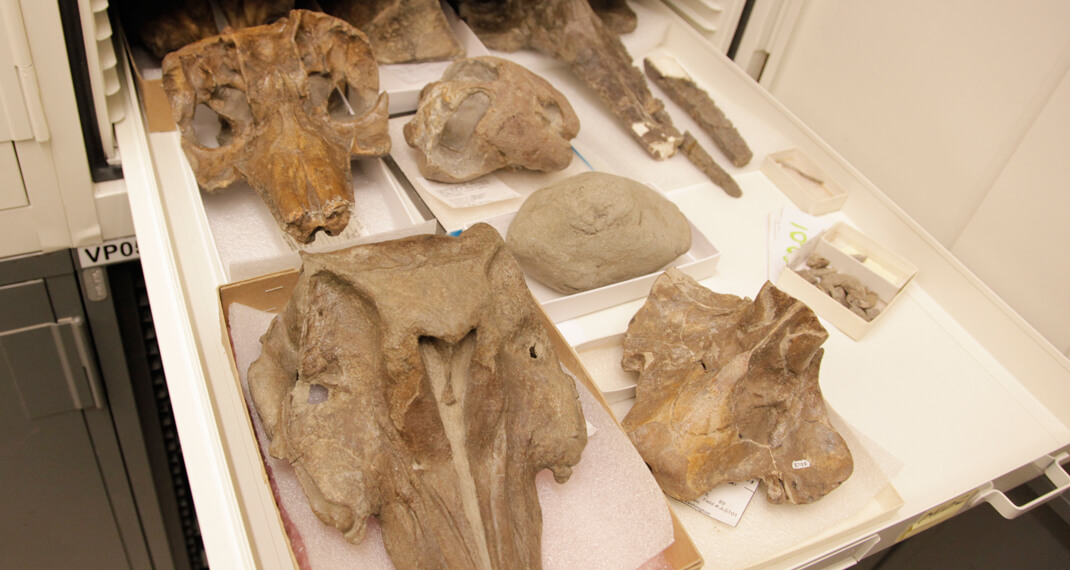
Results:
271 87
413 380
728 391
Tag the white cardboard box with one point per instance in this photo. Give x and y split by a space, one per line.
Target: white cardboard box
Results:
806 184
852 253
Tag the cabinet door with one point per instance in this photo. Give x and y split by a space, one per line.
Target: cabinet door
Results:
56 509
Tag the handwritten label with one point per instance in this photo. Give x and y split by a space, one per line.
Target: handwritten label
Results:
726 502
788 232
111 251
800 464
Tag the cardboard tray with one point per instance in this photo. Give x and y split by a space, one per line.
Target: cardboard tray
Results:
271 292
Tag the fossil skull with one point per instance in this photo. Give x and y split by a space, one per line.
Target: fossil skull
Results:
488 113
282 93
414 380
400 31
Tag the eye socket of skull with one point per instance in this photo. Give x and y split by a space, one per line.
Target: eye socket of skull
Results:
461 125
325 90
346 62
221 119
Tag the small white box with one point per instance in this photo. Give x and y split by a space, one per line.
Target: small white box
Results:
852 253
809 187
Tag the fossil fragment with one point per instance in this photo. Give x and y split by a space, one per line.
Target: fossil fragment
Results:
413 380
167 25
728 391
615 14
702 159
570 31
271 87
594 229
488 113
249 13
672 79
400 31
846 289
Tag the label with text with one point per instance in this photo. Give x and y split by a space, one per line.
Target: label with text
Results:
111 251
726 502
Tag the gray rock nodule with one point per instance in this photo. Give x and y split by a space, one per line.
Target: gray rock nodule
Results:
595 229
728 391
414 380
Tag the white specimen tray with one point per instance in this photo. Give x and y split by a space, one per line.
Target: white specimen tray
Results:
953 383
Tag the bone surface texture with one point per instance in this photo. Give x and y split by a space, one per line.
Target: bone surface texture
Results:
412 380
295 101
728 391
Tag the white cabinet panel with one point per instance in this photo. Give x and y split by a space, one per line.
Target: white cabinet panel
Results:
1017 240
927 99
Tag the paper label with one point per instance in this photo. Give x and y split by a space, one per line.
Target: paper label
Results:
726 502
787 233
800 464
486 189
111 251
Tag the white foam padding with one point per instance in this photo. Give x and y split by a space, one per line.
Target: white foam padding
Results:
610 514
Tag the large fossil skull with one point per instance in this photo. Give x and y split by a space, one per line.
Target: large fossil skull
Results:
414 380
273 88
488 113
570 31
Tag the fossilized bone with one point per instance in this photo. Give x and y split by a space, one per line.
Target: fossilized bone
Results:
270 86
569 30
728 391
248 13
167 25
488 113
413 380
400 31
615 14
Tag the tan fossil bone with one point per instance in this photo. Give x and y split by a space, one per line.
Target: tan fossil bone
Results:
413 380
400 31
570 31
249 13
273 88
488 113
728 391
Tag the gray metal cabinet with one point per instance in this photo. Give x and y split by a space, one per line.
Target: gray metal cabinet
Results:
75 487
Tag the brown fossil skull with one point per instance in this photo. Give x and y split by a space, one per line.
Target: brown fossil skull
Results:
282 93
488 113
413 380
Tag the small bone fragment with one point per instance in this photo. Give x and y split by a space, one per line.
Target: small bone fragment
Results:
594 229
400 31
702 159
846 289
444 399
728 391
679 86
488 113
570 31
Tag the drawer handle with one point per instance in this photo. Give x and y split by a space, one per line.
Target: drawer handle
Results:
999 501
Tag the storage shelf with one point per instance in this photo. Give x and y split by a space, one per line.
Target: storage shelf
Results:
952 382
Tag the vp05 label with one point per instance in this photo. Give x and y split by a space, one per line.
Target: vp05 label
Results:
112 251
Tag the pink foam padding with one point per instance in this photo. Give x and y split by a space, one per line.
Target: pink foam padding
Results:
610 514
